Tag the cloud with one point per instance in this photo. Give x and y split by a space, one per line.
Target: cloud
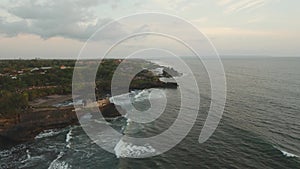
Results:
200 20
173 5
232 6
238 32
255 20
223 2
68 18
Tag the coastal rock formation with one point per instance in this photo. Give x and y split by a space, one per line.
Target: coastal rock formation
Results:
26 125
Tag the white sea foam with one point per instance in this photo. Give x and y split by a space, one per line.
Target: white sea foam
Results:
119 98
28 154
122 99
56 164
141 96
145 94
48 133
287 154
68 138
130 150
128 121
31 159
157 71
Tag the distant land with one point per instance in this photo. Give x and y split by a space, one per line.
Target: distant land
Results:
223 56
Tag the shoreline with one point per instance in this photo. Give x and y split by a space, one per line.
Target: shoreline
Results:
43 115
53 111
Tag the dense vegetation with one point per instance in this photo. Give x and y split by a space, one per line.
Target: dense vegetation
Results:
22 81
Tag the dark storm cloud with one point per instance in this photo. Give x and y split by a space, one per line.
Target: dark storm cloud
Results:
67 18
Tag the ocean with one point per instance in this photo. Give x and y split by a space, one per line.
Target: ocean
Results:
260 127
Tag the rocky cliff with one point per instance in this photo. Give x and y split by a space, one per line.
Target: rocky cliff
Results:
25 126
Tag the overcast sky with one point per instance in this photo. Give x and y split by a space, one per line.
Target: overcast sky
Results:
58 29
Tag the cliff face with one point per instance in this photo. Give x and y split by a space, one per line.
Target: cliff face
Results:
25 126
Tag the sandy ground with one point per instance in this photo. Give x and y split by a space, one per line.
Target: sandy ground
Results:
50 100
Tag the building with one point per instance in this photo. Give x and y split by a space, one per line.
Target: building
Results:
62 67
34 69
46 68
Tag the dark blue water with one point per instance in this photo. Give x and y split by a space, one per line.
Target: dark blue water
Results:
260 127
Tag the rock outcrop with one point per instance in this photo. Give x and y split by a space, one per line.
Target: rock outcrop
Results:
25 126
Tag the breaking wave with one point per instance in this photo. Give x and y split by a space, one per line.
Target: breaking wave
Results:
68 138
49 133
129 150
287 154
56 164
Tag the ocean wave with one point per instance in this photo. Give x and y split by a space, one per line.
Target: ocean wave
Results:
28 154
48 133
157 71
129 150
287 154
56 164
8 152
68 138
5 153
142 94
135 96
145 95
30 160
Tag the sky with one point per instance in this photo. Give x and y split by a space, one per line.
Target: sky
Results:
59 29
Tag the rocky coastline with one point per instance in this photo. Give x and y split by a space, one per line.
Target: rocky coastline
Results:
24 126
